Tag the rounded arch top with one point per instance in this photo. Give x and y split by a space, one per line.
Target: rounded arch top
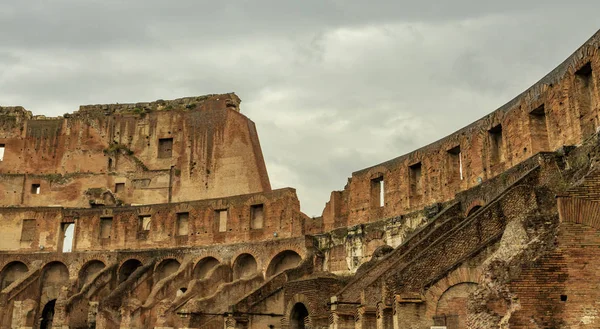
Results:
244 266
282 261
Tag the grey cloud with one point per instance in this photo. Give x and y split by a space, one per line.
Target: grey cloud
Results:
333 86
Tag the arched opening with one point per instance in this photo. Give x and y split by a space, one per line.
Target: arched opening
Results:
128 268
48 315
244 266
55 273
69 233
166 268
89 270
473 210
451 309
284 260
12 272
204 266
298 316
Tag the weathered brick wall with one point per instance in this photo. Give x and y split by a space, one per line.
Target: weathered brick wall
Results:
213 151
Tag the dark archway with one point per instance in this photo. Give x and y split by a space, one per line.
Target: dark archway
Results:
89 270
473 210
48 315
11 273
204 266
284 260
298 316
166 268
128 268
244 267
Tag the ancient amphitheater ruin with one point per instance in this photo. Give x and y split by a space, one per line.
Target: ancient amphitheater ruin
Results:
161 215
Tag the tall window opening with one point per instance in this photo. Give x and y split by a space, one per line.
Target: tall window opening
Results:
539 129
496 144
119 187
583 88
105 227
144 222
256 216
1 152
165 147
377 192
415 178
221 218
183 223
455 167
28 230
35 189
68 230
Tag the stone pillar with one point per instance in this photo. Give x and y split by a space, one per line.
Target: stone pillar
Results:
409 313
366 318
23 314
236 321
342 315
384 316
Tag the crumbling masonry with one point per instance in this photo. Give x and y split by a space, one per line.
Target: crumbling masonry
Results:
161 215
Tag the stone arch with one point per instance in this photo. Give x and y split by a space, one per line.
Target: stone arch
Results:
282 261
462 275
166 268
299 317
127 268
55 273
294 313
47 315
88 270
451 307
473 207
203 267
12 272
244 266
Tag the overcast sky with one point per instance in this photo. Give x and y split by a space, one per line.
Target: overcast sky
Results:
332 85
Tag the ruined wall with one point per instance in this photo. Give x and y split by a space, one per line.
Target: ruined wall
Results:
180 150
215 221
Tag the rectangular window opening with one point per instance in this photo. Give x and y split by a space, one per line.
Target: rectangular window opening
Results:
539 129
415 178
35 188
183 223
1 152
145 222
165 147
28 230
377 192
455 168
583 98
221 217
256 216
119 187
496 144
105 227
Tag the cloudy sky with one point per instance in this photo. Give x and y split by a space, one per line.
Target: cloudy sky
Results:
332 85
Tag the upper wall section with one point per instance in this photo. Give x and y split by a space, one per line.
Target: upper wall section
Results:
164 151
560 109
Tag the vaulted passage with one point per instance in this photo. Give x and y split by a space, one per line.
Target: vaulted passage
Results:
11 273
283 261
298 316
128 268
244 267
47 315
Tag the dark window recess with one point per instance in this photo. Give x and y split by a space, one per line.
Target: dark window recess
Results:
583 99
105 227
563 298
415 178
28 230
256 216
35 188
165 147
183 220
119 187
539 129
496 144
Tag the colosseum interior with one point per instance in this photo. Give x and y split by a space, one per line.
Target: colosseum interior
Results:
161 215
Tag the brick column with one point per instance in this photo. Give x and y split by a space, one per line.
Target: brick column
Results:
384 316
409 313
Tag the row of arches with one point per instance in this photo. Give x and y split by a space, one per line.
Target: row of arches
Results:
243 267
